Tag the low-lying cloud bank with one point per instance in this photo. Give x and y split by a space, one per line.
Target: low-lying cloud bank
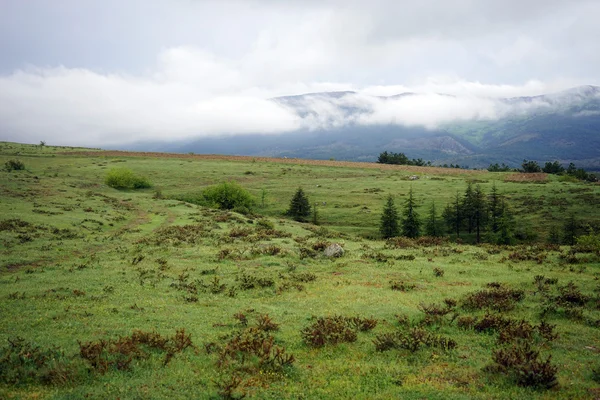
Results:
193 94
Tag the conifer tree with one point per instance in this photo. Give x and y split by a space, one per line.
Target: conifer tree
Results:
453 216
411 225
389 219
432 226
495 208
299 206
553 235
467 210
506 225
478 211
570 230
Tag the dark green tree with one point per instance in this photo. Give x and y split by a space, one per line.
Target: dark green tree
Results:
299 206
315 215
495 208
530 167
553 235
433 226
389 219
411 225
452 216
553 168
506 226
467 207
570 230
479 211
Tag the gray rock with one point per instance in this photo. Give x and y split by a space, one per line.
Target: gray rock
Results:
334 250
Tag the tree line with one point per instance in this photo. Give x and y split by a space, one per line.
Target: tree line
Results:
402 159
486 216
550 167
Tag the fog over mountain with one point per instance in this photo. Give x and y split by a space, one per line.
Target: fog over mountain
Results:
471 131
127 74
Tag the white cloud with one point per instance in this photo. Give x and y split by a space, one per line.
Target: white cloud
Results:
214 64
195 93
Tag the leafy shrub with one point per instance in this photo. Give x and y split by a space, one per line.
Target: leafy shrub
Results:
265 323
265 224
228 196
254 344
402 286
523 364
104 355
497 298
123 178
412 340
335 329
589 243
22 362
571 295
14 165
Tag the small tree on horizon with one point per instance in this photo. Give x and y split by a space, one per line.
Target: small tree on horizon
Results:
299 206
389 219
411 226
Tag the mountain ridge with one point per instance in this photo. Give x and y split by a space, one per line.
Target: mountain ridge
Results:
563 126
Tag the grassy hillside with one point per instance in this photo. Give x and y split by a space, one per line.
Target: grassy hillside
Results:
129 294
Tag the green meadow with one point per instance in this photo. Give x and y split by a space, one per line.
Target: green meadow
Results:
133 294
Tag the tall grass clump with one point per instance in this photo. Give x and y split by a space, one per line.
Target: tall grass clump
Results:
123 178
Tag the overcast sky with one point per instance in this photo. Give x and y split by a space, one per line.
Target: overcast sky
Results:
87 72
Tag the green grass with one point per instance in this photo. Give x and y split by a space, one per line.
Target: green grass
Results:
98 263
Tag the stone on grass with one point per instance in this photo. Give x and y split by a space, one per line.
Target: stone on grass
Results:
334 250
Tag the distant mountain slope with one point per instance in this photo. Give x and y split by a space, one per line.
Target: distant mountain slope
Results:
562 126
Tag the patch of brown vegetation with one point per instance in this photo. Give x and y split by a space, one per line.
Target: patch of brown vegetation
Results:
520 177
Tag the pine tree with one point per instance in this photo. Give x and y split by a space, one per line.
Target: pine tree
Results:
452 216
506 225
299 206
570 230
389 220
479 211
467 210
495 207
553 235
432 226
410 223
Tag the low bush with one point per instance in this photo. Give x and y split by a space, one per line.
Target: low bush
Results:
22 362
402 286
523 364
496 298
254 344
412 340
224 196
335 329
104 355
123 178
14 165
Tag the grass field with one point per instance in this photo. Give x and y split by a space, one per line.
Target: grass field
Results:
130 294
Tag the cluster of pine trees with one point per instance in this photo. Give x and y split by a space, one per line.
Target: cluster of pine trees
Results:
550 167
486 216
